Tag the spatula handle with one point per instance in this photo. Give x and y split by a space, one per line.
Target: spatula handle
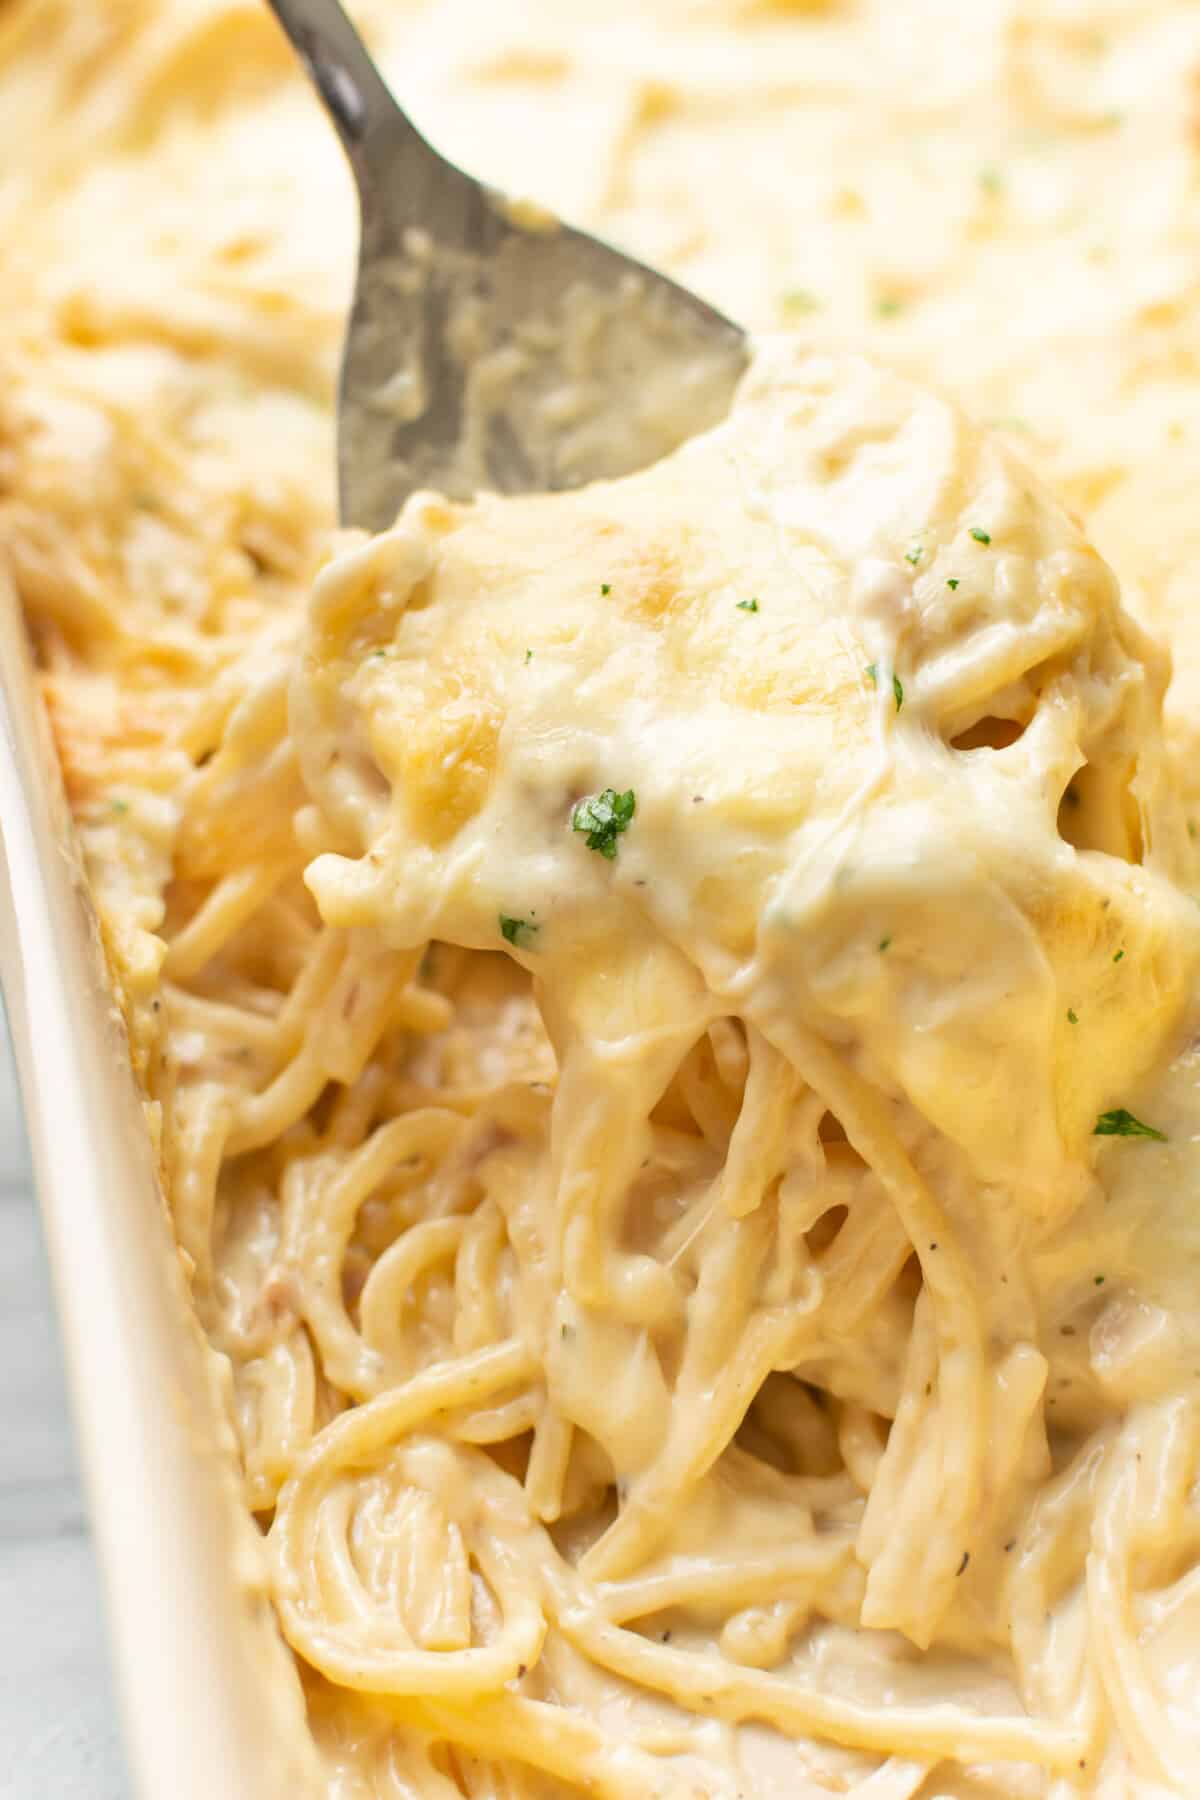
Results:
351 88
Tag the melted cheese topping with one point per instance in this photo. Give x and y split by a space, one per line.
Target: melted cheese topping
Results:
686 1333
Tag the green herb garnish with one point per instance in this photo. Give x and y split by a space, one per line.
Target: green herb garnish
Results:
1118 956
1121 1123
885 943
952 582
1072 1016
529 656
1099 1280
914 555
888 306
517 932
747 605
981 537
120 806
872 674
604 817
606 587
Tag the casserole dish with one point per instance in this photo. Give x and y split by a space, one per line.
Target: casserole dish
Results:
980 1135
209 1699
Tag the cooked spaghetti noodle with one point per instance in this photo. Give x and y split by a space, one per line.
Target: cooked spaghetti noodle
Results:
668 1010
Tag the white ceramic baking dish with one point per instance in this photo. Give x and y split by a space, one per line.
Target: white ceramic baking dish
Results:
210 1702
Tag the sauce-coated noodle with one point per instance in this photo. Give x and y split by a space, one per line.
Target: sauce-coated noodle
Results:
685 1334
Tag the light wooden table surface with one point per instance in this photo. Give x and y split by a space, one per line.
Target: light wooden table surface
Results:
58 1730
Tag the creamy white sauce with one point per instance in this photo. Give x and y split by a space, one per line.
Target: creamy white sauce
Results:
999 200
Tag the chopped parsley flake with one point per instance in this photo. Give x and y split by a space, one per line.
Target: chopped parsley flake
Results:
1118 956
529 656
914 555
747 605
1121 1123
1193 830
606 587
981 537
1072 1016
872 674
517 932
952 582
604 817
885 943
1099 1280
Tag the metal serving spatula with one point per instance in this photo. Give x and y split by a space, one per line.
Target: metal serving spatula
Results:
490 346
